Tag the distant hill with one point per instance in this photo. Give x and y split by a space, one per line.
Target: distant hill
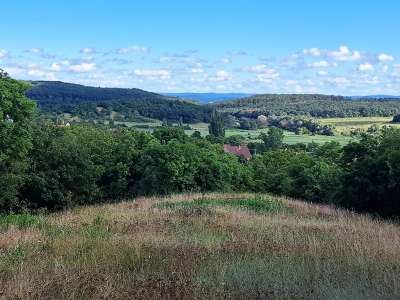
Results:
375 97
208 97
55 97
315 105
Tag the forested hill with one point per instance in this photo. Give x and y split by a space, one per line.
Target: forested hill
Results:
209 97
61 91
315 105
55 97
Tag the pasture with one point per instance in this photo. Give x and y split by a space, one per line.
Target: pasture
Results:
346 125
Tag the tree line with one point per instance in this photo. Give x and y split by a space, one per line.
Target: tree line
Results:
44 166
314 105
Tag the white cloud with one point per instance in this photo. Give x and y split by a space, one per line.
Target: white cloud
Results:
131 49
153 74
266 78
291 82
385 57
196 70
42 74
221 76
238 53
35 50
256 69
55 67
322 73
366 67
87 50
264 72
312 52
82 68
299 89
3 53
339 81
225 60
167 59
373 80
14 71
319 64
345 54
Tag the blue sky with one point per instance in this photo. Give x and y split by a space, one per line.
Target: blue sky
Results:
308 46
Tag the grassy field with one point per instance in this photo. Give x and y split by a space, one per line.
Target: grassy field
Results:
237 246
343 128
346 125
289 138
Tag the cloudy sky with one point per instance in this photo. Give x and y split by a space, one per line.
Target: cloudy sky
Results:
256 46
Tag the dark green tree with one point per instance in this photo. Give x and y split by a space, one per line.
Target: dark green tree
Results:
16 113
396 119
216 127
166 134
234 140
273 140
372 180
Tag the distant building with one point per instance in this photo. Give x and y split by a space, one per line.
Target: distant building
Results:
242 151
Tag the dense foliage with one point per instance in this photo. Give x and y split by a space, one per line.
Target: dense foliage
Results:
372 178
396 119
16 113
314 105
217 125
94 103
86 164
52 167
299 125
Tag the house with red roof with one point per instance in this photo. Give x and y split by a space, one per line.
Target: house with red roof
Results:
242 151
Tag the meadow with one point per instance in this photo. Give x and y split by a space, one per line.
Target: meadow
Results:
193 246
343 129
346 125
250 135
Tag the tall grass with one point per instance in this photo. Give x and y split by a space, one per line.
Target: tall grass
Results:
193 247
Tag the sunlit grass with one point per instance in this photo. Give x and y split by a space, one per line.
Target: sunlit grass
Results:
200 246
346 125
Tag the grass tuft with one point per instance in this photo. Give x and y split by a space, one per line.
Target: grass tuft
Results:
21 221
202 206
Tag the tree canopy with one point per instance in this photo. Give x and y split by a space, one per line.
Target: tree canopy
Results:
16 113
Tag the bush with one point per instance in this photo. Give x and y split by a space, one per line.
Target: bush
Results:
372 180
296 174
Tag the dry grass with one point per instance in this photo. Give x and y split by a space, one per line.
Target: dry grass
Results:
143 250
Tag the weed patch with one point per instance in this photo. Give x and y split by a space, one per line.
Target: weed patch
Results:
202 206
21 221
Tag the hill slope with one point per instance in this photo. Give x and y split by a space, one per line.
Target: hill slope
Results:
315 105
56 97
235 246
208 97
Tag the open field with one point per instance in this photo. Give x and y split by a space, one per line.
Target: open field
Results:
289 138
238 246
343 128
346 125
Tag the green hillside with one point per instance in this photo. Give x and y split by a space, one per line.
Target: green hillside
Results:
91 103
314 105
